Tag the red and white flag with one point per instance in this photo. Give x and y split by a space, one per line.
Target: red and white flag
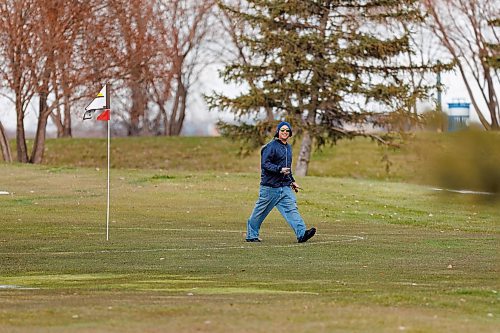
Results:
104 116
99 103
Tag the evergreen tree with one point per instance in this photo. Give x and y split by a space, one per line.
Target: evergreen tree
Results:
324 65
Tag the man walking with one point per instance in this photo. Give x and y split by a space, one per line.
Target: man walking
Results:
276 187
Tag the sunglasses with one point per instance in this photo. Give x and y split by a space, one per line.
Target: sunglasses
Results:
285 130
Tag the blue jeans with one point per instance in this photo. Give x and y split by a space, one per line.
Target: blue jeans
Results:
282 198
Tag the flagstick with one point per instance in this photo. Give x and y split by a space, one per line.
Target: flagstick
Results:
108 106
107 205
97 105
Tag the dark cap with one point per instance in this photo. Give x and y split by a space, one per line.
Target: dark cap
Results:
281 125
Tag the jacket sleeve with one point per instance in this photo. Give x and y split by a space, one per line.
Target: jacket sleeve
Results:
266 158
291 160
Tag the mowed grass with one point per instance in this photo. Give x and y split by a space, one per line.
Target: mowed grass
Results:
388 256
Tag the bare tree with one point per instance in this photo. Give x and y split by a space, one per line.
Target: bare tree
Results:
52 20
71 74
136 48
162 71
465 29
61 51
58 23
159 50
38 38
17 40
189 23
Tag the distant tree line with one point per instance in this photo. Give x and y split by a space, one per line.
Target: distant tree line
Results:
61 52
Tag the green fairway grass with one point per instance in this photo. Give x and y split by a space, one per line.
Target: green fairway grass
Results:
358 158
388 256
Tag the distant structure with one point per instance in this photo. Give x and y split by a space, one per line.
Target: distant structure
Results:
458 115
439 90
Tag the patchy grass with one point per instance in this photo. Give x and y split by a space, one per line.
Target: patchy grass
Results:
460 160
358 158
388 256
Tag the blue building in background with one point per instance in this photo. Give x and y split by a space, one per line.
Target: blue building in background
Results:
458 115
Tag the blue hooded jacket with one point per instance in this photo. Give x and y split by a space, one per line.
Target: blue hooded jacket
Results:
274 156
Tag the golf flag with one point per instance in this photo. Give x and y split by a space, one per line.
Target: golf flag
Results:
104 116
100 102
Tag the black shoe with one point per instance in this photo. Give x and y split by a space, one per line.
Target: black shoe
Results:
253 240
307 235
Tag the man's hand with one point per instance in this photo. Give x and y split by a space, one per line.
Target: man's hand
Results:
295 187
285 171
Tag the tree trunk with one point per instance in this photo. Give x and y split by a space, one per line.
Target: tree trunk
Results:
39 144
492 102
173 114
56 116
304 155
4 143
307 138
134 116
67 119
182 114
22 149
56 119
175 108
138 107
67 133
